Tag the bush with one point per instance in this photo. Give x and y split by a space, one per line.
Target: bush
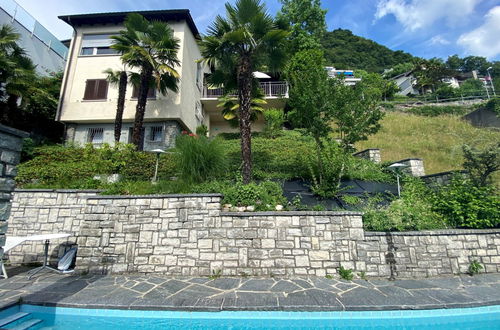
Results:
199 158
464 205
264 196
59 166
493 105
274 122
413 211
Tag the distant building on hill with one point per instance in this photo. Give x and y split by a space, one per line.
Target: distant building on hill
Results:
406 83
44 49
347 75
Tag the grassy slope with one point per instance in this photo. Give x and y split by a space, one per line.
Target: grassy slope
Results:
438 140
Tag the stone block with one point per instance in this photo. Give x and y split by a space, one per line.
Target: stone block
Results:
319 255
205 243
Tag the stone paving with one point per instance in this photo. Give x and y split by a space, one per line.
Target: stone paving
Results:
237 293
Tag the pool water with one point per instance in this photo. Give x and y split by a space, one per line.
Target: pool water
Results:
97 319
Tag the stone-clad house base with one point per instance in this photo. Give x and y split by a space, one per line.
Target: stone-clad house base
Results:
189 235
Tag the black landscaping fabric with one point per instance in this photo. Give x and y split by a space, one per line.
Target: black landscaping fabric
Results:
358 188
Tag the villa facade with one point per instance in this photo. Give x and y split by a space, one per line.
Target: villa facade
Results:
88 102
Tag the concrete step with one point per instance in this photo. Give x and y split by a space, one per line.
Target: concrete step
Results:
26 324
12 318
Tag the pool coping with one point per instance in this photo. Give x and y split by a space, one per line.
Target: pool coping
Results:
184 293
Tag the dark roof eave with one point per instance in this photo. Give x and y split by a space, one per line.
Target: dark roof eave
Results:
119 17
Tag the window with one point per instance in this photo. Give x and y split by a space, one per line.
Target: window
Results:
198 112
156 133
199 75
95 135
151 93
96 89
97 44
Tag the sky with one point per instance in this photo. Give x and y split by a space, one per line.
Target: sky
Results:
425 28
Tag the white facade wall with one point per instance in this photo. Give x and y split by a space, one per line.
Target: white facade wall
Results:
81 114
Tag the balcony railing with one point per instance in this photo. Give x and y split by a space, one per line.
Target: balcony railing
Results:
270 89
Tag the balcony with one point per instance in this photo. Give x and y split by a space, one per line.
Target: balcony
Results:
271 89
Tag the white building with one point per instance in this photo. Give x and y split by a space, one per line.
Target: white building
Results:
88 104
347 75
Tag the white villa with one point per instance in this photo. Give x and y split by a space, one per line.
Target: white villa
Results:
88 103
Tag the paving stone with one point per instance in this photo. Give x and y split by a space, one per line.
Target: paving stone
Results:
285 286
302 283
143 287
224 283
414 284
257 285
184 293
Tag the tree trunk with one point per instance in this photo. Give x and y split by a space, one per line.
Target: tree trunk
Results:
122 89
245 98
142 98
319 159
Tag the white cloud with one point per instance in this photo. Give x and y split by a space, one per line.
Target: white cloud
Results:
438 40
484 40
418 14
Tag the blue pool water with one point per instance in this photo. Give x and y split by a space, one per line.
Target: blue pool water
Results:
97 319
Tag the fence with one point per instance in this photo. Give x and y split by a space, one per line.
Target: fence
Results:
20 15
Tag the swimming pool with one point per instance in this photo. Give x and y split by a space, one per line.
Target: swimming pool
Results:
97 319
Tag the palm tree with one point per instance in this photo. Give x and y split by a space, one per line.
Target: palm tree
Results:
17 73
247 40
120 79
151 48
230 107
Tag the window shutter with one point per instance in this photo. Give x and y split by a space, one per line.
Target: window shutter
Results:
89 89
96 40
101 89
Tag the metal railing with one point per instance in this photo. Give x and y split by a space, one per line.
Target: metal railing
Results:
20 15
270 89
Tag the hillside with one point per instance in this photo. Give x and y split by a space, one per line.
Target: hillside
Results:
344 50
438 140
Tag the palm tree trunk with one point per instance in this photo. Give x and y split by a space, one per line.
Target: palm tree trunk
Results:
245 98
142 98
122 89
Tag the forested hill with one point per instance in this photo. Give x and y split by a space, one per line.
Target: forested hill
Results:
344 50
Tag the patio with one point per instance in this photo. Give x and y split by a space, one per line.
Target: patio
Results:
237 293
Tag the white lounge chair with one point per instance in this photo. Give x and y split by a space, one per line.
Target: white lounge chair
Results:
13 241
10 243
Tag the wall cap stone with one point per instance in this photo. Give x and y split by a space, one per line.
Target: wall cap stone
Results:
289 213
13 131
58 190
444 173
405 160
152 196
442 232
364 150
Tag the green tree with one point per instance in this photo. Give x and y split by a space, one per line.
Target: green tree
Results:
399 69
374 84
477 63
307 23
151 48
120 79
454 62
309 98
481 164
355 113
429 73
230 108
247 40
17 73
344 50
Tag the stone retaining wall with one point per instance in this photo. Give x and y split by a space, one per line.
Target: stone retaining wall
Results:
11 143
45 211
189 235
